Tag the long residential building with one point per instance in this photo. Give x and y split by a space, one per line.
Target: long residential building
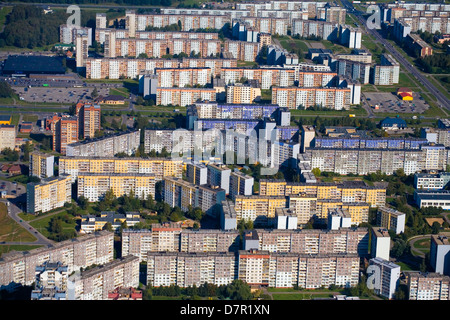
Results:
346 192
158 48
362 161
301 97
186 195
242 50
266 76
93 249
93 186
107 146
49 194
315 28
284 270
159 167
98 282
170 237
114 68
428 286
182 77
183 96
259 209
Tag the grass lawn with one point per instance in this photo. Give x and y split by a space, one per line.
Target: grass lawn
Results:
10 230
43 224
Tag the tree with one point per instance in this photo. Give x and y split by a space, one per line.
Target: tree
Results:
94 93
83 202
238 290
108 227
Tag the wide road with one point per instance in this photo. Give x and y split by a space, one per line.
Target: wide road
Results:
442 100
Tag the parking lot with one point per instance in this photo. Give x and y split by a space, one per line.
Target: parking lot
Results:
57 95
390 102
12 189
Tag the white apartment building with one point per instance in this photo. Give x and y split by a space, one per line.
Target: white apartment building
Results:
389 277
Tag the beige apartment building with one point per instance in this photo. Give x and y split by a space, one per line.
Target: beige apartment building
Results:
20 267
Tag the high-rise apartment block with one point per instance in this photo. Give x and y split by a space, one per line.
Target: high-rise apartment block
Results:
41 165
240 184
428 286
107 146
93 186
96 283
7 137
439 254
159 167
388 277
49 194
380 243
219 176
391 219
89 116
387 72
94 249
66 132
304 97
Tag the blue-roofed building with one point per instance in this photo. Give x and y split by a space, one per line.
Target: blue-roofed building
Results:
393 123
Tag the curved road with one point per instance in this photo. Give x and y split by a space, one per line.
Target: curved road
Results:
441 98
13 212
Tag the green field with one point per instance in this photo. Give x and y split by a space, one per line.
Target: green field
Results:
10 231
43 224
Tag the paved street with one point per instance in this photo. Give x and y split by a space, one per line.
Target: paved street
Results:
441 98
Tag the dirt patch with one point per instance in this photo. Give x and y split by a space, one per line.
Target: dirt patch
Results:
430 221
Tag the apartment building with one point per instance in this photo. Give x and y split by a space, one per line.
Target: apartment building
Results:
391 219
93 186
315 28
335 14
190 269
350 36
219 176
346 192
159 167
81 50
180 142
159 238
84 251
243 93
387 72
41 165
380 246
51 282
158 48
139 22
312 241
49 194
7 137
300 97
98 282
285 270
436 135
415 42
428 286
107 146
365 160
196 173
69 33
100 21
405 25
183 96
114 68
439 250
65 133
240 184
389 277
265 76
182 77
260 209
214 110
89 115
242 50
353 69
